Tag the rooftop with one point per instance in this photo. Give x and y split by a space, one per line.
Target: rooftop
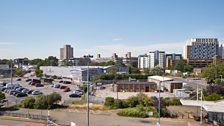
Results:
160 78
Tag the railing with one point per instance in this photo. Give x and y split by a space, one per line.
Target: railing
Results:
50 121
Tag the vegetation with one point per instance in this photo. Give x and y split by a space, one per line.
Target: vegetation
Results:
157 71
38 72
213 97
183 67
2 97
214 73
138 106
42 101
50 61
19 72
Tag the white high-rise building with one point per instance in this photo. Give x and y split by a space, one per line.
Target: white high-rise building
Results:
66 52
143 61
152 59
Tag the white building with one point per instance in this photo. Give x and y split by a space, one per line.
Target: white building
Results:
143 61
157 58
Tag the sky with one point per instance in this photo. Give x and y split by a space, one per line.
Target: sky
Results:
39 28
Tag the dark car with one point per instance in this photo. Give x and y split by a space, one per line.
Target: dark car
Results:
61 81
39 85
28 80
21 95
67 82
30 91
74 95
19 79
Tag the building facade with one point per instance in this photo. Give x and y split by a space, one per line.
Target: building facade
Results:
201 48
143 61
66 52
157 59
172 59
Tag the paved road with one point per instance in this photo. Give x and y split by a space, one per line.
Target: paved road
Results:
11 121
105 118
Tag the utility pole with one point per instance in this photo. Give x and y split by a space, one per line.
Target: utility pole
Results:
87 119
11 71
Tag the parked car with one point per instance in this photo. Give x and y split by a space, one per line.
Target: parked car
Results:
21 95
63 87
79 92
56 85
67 89
74 95
18 79
67 82
12 92
36 93
28 80
30 91
25 91
39 85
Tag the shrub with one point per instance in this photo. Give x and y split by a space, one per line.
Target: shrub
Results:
109 101
28 102
213 97
132 101
132 112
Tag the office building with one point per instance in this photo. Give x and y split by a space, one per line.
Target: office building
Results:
157 59
129 60
172 59
66 52
201 48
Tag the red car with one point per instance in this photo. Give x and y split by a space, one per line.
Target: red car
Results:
63 87
67 89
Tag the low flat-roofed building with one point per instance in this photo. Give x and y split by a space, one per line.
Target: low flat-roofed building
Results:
214 109
167 84
136 86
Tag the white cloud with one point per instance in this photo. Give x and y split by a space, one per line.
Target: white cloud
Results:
7 43
117 39
122 49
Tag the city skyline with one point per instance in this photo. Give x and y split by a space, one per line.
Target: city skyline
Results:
98 27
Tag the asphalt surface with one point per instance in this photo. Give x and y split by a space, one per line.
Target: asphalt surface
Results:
47 89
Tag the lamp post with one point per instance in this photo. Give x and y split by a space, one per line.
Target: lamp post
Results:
11 70
87 119
158 122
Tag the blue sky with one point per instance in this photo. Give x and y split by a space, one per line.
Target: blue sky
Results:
38 28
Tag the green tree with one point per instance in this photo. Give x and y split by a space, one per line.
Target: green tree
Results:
66 63
38 72
51 61
157 71
2 96
213 97
28 102
133 70
19 72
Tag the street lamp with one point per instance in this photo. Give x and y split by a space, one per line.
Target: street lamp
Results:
11 70
158 122
87 119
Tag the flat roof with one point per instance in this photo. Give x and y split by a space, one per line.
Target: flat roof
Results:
160 78
209 106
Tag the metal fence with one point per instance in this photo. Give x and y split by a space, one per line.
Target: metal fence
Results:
50 121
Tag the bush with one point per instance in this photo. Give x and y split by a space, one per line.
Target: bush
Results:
28 102
109 101
132 101
47 101
213 97
132 112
